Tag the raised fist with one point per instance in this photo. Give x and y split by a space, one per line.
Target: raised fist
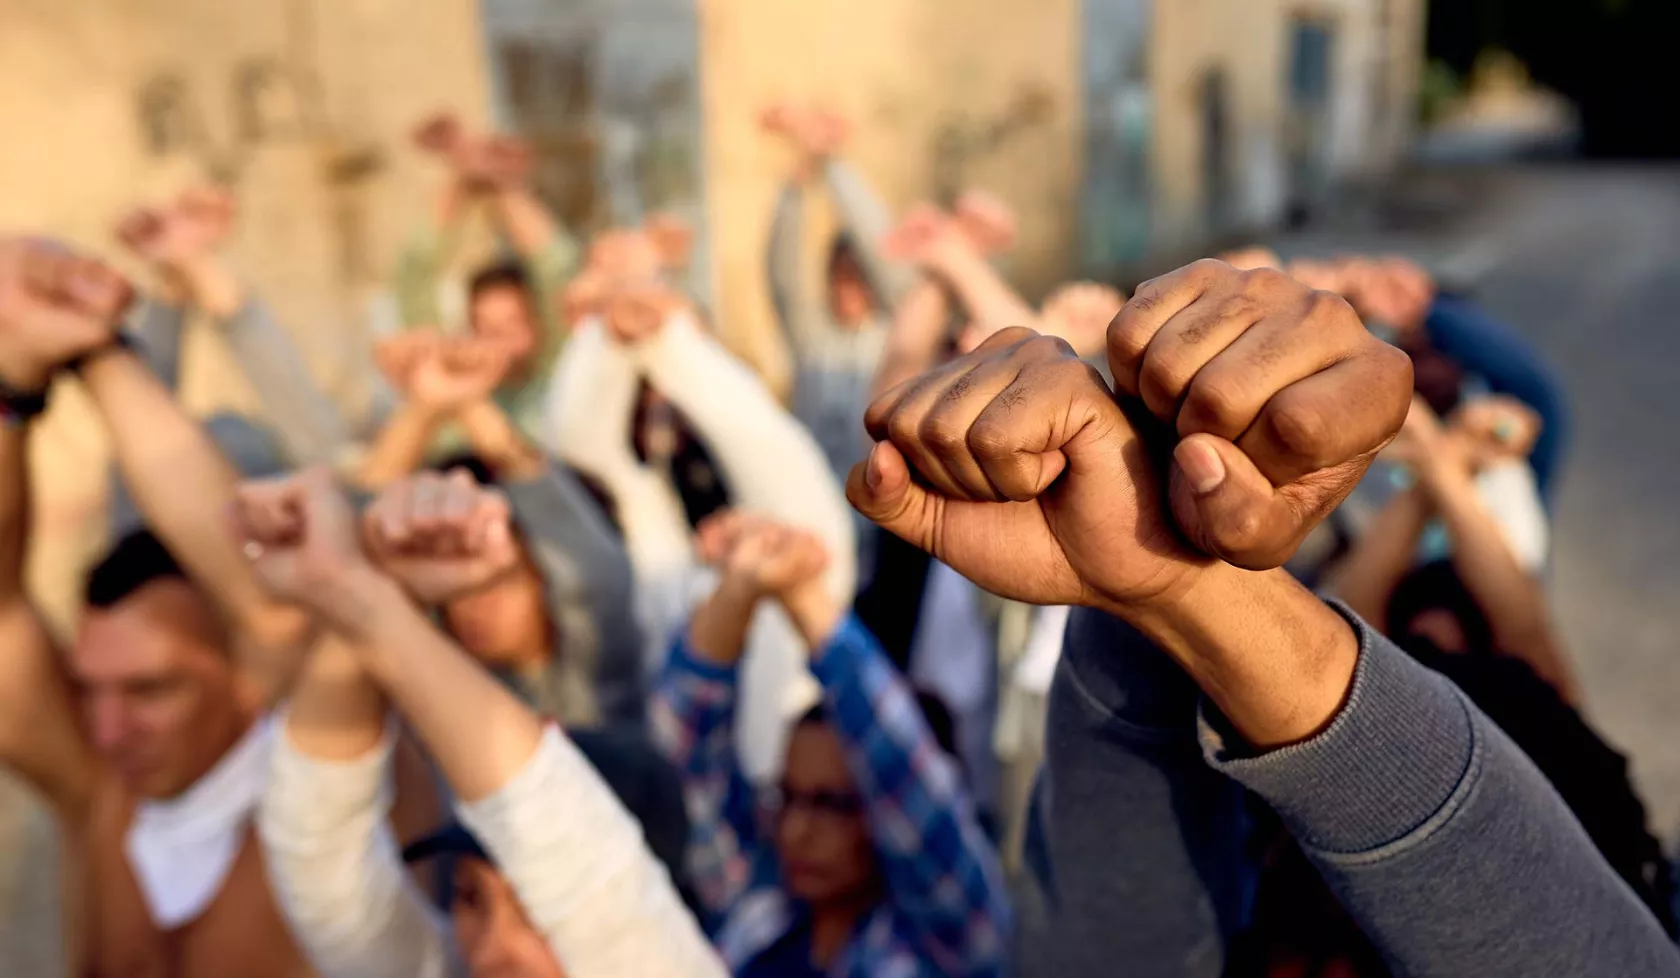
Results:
54 306
300 535
987 220
438 133
1018 467
209 213
457 370
441 536
766 556
1497 426
927 236
509 160
1391 291
1080 312
634 313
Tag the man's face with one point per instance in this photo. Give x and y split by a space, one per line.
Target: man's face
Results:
158 693
822 837
503 313
491 929
502 624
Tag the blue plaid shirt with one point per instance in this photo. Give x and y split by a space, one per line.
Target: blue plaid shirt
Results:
945 910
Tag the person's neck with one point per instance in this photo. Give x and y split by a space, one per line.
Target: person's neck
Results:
833 922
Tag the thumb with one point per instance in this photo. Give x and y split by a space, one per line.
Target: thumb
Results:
1227 509
880 488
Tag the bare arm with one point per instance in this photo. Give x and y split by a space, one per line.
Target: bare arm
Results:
181 484
1510 597
526 220
1382 556
992 303
39 735
495 439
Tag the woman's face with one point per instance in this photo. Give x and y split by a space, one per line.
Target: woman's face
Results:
822 836
491 929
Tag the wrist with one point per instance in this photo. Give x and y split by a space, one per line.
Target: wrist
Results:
353 600
814 613
1274 658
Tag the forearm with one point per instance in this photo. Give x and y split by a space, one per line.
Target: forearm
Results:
1412 786
991 303
1509 596
783 254
179 481
400 447
718 630
525 220
213 286
918 337
1383 554
494 439
477 731
310 426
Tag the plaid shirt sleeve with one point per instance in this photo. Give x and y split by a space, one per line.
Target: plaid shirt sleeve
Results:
943 874
693 717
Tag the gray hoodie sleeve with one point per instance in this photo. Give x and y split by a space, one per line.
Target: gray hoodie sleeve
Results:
590 588
309 425
1145 840
1442 839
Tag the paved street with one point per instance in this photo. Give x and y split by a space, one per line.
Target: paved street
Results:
1587 263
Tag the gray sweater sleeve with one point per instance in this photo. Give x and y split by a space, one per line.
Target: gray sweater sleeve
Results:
308 423
590 588
1145 841
157 327
783 272
1442 839
866 219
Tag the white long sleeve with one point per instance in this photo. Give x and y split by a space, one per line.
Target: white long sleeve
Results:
772 466
771 463
591 403
583 874
338 874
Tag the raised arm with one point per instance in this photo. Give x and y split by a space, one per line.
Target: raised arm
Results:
420 266
772 463
575 857
1382 770
440 378
1365 579
332 858
865 218
918 337
936 242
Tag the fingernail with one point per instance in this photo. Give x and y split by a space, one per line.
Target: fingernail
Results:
1202 466
872 470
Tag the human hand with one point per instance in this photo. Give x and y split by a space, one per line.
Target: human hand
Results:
300 535
988 222
1034 483
671 238
1497 426
441 536
636 312
439 133
929 237
1432 452
55 306
1080 312
759 554
1391 291
453 371
397 356
209 213
508 161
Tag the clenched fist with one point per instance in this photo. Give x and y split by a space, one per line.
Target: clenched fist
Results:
55 306
760 553
441 536
1018 466
300 535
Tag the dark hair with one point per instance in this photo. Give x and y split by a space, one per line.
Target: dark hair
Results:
475 465
941 722
502 274
133 562
1437 586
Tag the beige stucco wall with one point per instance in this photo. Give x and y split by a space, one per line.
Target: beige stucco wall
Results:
903 70
356 75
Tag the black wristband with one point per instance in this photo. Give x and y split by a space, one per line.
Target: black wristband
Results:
119 341
18 408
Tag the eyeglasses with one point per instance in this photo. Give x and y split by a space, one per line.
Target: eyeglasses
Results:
837 804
